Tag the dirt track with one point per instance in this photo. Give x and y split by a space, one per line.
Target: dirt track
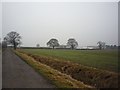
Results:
17 74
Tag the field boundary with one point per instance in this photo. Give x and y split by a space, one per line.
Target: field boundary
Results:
90 76
59 79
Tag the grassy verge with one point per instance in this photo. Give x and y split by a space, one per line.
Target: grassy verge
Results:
59 79
89 75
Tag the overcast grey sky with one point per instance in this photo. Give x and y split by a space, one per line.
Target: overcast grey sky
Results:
38 22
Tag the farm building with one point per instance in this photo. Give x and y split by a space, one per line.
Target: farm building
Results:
89 47
64 46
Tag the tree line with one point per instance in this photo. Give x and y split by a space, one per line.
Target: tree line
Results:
72 43
13 38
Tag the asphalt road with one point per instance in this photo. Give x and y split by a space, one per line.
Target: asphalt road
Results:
17 74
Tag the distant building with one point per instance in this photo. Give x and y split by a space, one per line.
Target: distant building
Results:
89 47
92 47
63 46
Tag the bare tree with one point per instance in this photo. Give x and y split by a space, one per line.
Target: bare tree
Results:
72 43
53 43
101 45
13 38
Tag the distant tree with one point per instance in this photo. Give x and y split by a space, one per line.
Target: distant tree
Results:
0 43
101 45
111 46
107 46
115 46
53 43
4 44
13 38
118 47
38 45
72 43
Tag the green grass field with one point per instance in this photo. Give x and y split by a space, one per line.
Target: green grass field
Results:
103 59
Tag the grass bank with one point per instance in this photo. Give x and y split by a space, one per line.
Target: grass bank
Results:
89 75
59 79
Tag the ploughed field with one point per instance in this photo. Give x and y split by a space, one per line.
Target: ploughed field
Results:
97 68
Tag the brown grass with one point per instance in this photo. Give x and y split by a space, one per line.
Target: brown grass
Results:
91 76
59 79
